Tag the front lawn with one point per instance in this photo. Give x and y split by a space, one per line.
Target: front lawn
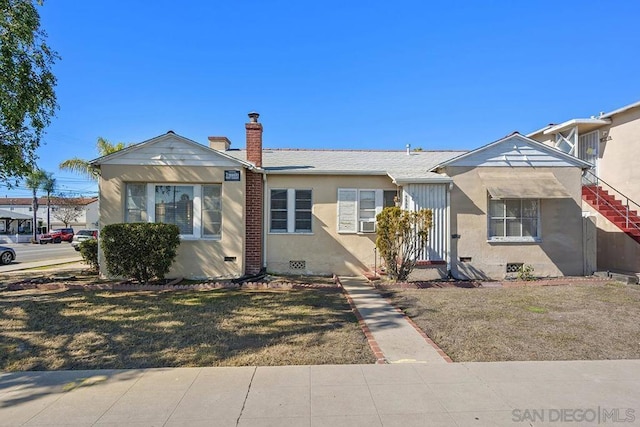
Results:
73 329
583 322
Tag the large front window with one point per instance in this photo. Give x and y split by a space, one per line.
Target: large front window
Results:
196 209
514 219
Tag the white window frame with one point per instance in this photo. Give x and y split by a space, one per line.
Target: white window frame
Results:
197 207
291 211
515 239
349 220
211 236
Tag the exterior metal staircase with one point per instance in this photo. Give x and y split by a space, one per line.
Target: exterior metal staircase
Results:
613 205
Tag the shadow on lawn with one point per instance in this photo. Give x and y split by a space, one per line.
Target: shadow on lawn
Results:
125 330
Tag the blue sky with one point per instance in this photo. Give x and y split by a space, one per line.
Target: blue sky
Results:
331 74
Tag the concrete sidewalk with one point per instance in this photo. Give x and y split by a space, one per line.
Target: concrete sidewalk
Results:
53 264
460 394
397 339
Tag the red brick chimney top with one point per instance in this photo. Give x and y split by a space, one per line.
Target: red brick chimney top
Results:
254 139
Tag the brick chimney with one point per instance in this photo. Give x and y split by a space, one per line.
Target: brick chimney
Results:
254 199
220 143
254 139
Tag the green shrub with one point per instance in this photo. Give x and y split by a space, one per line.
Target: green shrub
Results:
142 251
89 252
525 272
401 238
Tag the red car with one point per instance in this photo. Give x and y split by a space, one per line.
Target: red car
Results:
57 236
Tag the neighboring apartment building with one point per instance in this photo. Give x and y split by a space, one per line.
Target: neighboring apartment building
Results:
512 202
16 214
611 143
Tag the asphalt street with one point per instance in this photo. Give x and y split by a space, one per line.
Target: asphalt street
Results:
27 252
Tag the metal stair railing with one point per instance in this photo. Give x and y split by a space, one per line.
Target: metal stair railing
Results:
593 179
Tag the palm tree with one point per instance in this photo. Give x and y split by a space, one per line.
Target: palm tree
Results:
33 182
83 167
49 185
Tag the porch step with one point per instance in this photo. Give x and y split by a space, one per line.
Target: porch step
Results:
613 209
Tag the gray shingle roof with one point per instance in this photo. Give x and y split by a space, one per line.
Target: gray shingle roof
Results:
397 164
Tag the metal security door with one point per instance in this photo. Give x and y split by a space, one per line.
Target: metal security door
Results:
588 151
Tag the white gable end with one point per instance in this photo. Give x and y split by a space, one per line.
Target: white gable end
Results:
171 150
514 151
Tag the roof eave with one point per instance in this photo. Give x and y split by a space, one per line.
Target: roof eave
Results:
576 122
322 172
100 160
620 110
401 181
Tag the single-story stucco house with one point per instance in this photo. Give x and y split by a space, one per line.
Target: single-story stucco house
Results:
514 201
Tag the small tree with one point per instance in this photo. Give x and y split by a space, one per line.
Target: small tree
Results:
142 251
401 237
68 210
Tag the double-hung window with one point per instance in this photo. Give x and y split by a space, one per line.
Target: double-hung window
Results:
135 202
196 209
358 208
514 219
211 210
290 210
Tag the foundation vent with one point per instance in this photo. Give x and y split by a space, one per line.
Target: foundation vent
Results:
297 265
514 267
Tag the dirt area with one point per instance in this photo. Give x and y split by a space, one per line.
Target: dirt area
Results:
579 321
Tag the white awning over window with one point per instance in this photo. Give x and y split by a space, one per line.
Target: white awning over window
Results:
524 185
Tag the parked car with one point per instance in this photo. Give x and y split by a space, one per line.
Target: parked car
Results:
56 236
83 235
7 255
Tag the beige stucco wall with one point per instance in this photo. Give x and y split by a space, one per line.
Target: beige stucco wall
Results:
616 250
196 259
620 154
560 251
324 251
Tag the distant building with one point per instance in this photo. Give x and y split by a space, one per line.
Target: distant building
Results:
16 214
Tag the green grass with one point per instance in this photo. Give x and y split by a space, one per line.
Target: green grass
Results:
577 322
54 330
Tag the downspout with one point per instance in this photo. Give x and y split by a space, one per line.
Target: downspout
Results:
448 230
265 221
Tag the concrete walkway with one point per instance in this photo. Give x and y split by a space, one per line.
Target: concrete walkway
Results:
397 339
454 394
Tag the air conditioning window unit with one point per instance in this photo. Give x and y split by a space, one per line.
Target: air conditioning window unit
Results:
367 227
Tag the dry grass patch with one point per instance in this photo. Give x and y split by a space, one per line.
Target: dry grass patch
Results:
51 330
577 322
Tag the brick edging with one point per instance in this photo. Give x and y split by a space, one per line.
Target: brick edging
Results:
168 287
373 344
429 341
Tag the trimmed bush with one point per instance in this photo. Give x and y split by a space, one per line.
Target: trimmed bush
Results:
142 251
89 252
401 238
